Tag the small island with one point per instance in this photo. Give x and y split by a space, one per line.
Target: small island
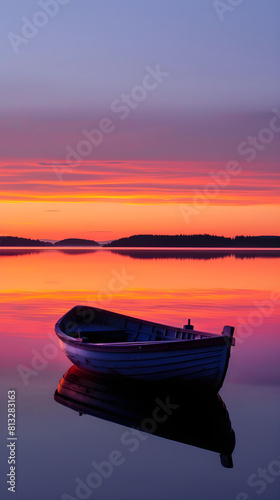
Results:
14 241
76 242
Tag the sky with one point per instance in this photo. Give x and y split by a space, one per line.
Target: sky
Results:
132 117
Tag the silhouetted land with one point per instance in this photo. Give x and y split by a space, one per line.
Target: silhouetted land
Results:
76 242
153 241
196 240
14 241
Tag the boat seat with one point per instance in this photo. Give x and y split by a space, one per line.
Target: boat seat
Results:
108 336
97 327
145 337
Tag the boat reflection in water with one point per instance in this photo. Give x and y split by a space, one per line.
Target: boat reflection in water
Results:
180 411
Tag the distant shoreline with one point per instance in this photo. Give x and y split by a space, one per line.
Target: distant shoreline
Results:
150 242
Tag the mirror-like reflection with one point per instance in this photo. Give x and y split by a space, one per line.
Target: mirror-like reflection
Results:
154 253
180 411
197 253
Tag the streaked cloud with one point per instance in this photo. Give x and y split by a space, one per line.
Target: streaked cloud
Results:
139 182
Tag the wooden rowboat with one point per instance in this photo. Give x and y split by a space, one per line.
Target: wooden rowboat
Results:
186 412
108 343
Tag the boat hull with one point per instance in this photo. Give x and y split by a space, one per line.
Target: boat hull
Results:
200 358
193 362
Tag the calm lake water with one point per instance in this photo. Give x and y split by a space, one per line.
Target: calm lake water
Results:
56 448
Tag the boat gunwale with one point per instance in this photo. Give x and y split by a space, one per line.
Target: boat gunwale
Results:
150 345
133 318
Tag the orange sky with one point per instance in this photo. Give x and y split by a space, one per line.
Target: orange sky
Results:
107 200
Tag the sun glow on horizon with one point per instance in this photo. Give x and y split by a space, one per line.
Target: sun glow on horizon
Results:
107 221
110 200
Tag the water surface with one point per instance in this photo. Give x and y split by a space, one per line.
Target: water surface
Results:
56 447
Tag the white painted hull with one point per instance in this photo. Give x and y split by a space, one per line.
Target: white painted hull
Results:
203 364
199 358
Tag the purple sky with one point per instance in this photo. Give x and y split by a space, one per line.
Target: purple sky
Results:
223 76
